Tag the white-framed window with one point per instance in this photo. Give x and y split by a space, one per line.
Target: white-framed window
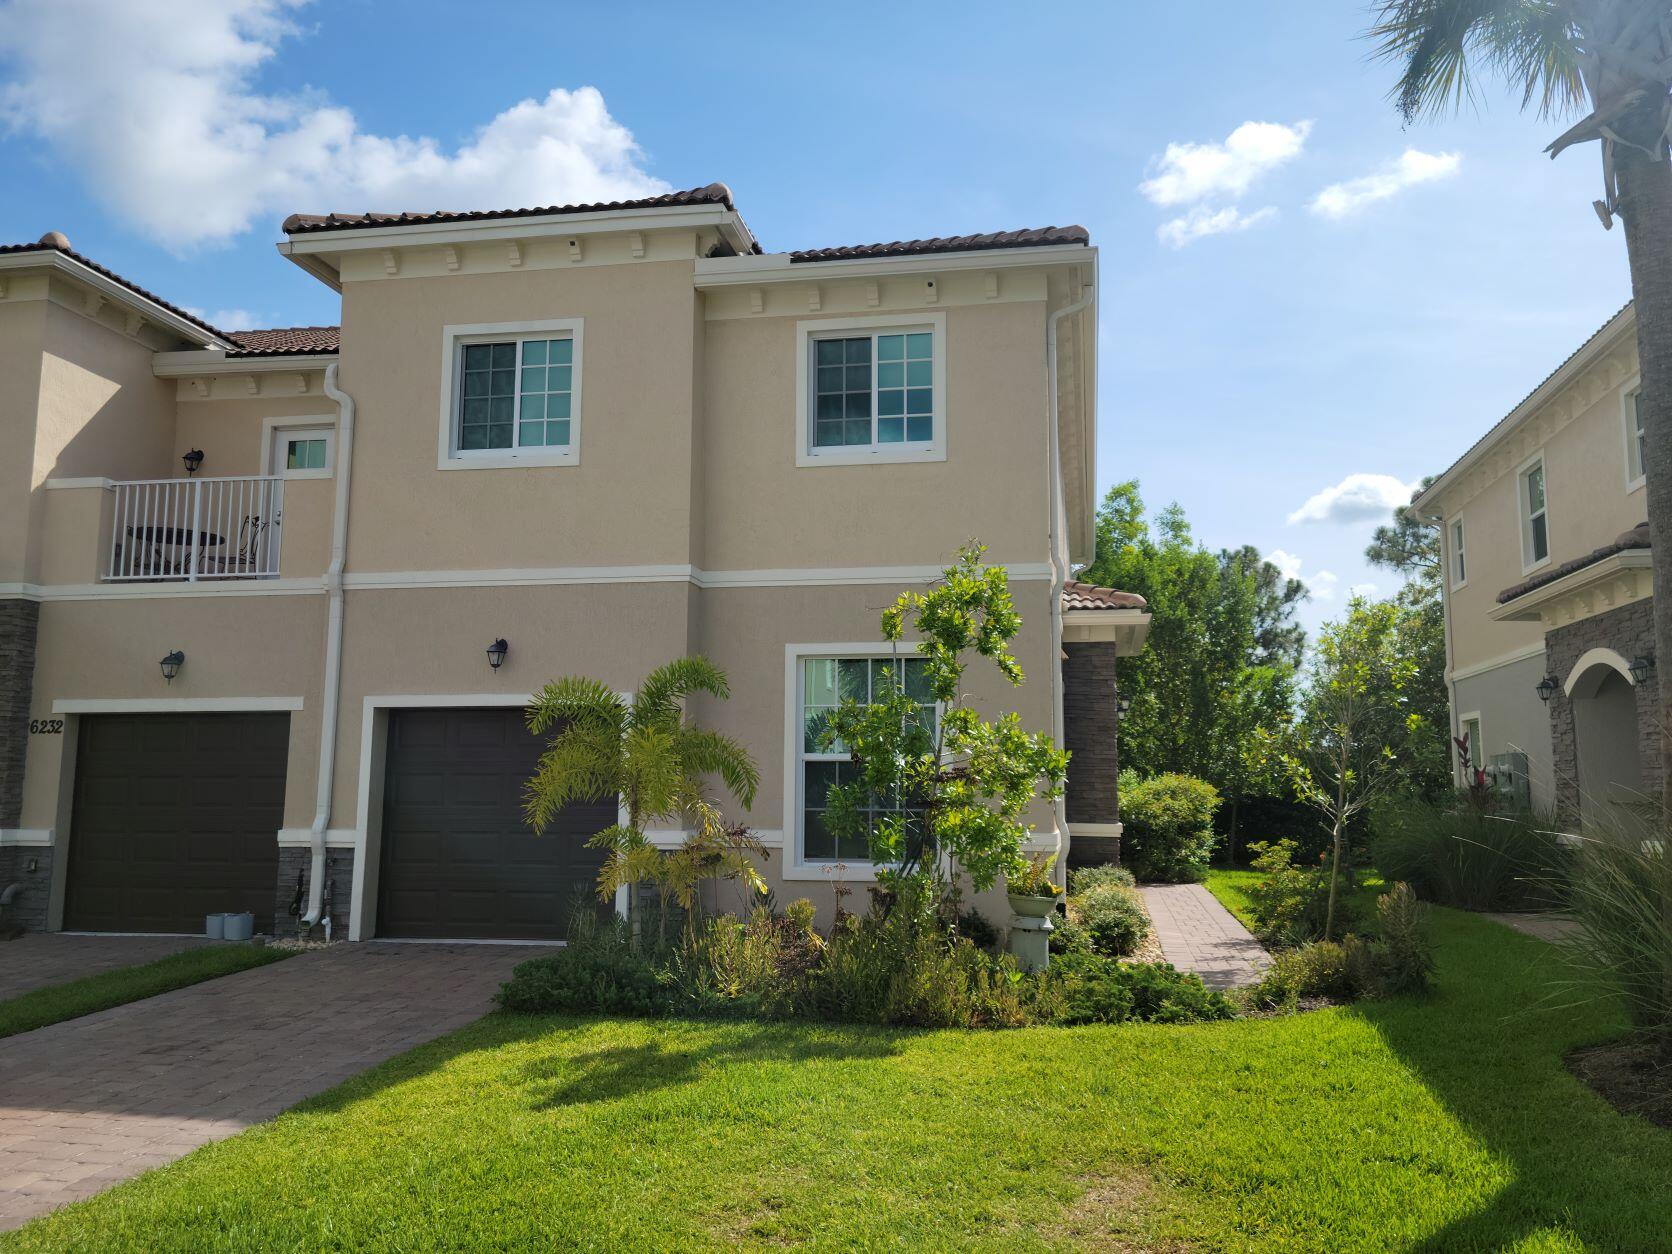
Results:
299 448
511 394
871 390
1459 563
1535 516
818 678
1634 437
1469 726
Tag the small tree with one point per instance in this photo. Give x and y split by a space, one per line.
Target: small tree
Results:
956 784
1357 714
645 751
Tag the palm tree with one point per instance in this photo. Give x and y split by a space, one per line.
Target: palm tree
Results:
1614 56
647 752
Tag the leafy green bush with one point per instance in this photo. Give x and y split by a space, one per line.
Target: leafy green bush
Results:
1290 902
1169 827
1069 936
1459 855
1343 971
980 931
1085 878
1094 989
1408 961
1114 918
598 971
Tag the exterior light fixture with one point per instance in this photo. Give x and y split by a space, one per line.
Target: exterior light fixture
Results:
1547 688
171 665
193 460
1123 707
496 653
1641 667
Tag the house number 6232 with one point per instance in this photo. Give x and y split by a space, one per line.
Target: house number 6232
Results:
46 727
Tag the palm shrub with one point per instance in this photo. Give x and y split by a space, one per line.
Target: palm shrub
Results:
1466 856
646 751
1620 893
1169 826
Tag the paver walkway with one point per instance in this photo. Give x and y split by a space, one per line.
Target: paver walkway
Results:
1198 934
93 1101
1554 928
41 959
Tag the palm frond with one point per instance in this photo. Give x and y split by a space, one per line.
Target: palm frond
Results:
660 696
576 700
1438 43
708 752
581 763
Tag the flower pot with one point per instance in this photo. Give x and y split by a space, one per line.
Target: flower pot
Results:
1032 907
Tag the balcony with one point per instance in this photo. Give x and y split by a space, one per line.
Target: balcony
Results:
195 530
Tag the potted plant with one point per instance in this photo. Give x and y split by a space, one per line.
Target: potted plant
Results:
1032 894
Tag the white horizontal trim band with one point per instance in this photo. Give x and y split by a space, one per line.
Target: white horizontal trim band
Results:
778 268
1492 664
173 705
28 837
335 838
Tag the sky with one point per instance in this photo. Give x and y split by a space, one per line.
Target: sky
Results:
1305 307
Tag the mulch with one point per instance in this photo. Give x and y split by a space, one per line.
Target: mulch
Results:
1633 1077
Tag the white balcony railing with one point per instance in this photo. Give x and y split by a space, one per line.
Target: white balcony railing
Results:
196 529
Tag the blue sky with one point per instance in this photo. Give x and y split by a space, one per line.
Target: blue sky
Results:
1374 332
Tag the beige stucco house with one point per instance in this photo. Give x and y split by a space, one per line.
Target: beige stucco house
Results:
1548 592
249 581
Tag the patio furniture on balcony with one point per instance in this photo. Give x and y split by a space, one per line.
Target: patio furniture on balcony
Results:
176 529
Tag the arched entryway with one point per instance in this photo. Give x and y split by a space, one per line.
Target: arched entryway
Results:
1604 700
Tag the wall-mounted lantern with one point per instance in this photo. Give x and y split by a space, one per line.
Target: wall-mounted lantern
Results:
193 460
1123 707
171 665
1547 688
1641 667
496 653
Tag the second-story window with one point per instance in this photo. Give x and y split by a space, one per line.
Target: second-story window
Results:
1634 438
1535 522
513 395
873 391
1459 566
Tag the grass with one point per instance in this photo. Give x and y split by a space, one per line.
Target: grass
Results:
59 1002
1436 1125
1231 887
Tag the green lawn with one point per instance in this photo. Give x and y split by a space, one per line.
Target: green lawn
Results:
1440 1125
117 988
1231 887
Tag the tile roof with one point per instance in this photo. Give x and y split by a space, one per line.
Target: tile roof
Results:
50 245
1035 237
310 223
283 341
1636 538
1088 596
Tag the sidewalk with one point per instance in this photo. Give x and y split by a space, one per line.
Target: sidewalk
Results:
1198 934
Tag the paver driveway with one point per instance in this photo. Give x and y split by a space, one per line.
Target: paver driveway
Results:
42 959
87 1103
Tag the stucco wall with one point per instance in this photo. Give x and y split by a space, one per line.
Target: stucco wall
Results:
1513 720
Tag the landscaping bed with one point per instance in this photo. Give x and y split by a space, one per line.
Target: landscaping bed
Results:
44 1006
1445 1123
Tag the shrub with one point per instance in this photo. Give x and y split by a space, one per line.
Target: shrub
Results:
1069 936
599 971
1342 971
1084 879
1408 962
980 931
1621 896
1094 989
1290 902
1459 855
1114 919
1169 826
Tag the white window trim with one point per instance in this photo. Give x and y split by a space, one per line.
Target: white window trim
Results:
1463 720
1628 425
869 455
324 424
796 865
453 338
1454 550
1523 517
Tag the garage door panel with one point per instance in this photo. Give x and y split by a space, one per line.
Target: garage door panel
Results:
175 816
457 859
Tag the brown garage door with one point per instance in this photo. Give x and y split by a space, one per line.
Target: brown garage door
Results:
176 816
458 861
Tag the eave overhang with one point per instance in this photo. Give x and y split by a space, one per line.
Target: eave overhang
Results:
1127 629
114 292
1616 580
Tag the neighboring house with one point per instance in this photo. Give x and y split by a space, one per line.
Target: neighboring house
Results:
271 602
1548 592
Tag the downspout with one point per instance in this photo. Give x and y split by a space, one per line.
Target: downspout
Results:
332 696
1059 564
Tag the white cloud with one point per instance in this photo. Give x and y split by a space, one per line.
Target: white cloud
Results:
1411 168
1188 173
1201 222
154 103
1322 584
226 319
1366 590
1357 498
1286 562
